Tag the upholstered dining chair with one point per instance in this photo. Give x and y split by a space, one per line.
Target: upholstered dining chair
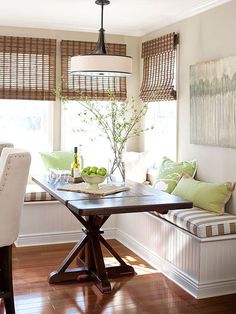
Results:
4 144
14 170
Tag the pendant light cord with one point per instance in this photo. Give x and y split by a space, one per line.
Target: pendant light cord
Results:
102 15
101 49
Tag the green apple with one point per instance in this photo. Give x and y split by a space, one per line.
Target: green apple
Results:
92 174
93 169
86 171
102 171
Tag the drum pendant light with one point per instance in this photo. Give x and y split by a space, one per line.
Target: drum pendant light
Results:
99 63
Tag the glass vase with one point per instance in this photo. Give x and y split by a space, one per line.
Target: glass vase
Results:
117 166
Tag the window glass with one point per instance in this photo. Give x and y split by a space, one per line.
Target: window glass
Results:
28 125
161 140
94 146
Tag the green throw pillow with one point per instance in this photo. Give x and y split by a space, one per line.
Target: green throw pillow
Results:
171 172
57 160
209 196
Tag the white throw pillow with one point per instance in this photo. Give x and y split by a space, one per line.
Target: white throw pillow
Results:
136 165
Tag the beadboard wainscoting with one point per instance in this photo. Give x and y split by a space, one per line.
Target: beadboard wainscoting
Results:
203 267
51 222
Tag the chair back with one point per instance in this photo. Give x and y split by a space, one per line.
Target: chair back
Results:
14 171
4 144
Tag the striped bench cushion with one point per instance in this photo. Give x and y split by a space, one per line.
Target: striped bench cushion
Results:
35 194
38 197
201 222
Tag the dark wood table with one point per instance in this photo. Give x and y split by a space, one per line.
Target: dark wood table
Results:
93 211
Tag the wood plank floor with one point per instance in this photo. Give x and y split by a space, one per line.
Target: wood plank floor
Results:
147 292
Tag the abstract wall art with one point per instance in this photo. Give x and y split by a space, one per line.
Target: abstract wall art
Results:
213 103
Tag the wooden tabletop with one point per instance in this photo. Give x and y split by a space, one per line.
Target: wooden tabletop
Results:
161 203
138 198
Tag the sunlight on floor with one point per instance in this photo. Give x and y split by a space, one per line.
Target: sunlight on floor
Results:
140 269
130 259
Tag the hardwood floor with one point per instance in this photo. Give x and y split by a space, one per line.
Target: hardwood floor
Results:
147 292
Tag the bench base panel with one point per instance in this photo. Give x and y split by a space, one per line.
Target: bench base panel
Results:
203 268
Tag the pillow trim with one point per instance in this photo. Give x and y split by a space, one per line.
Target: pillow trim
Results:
230 190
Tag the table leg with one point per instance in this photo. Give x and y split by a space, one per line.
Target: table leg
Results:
62 274
81 257
88 253
122 269
102 281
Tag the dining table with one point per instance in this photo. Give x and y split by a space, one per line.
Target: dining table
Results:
92 211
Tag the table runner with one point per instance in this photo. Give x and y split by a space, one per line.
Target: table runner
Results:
103 190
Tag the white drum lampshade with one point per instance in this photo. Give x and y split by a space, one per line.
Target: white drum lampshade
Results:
101 65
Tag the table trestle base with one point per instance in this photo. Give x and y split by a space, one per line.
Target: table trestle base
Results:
88 254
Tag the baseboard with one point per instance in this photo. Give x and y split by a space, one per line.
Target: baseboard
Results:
197 290
57 237
216 289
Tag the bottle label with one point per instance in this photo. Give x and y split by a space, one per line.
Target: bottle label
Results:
76 172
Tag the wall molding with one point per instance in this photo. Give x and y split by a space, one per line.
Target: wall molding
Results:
57 237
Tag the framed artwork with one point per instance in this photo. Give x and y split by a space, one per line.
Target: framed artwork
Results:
213 103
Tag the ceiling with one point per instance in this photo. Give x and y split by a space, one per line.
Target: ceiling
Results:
128 17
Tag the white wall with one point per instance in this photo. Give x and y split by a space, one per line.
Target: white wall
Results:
207 36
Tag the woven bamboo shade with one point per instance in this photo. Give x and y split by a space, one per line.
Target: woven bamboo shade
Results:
159 68
27 68
76 86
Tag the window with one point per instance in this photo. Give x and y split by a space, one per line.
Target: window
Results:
27 124
95 147
27 92
75 86
159 64
27 84
161 141
27 68
159 90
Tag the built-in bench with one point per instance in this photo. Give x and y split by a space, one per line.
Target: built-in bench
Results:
36 194
193 247
200 261
202 223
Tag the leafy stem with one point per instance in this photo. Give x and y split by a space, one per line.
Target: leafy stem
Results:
117 120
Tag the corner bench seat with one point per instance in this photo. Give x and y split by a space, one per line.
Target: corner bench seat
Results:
200 222
36 194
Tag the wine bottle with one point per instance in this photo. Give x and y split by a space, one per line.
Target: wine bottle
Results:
75 166
81 158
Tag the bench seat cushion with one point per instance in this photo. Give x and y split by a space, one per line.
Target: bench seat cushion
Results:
202 223
35 194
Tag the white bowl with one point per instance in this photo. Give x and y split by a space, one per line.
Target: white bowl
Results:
93 181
